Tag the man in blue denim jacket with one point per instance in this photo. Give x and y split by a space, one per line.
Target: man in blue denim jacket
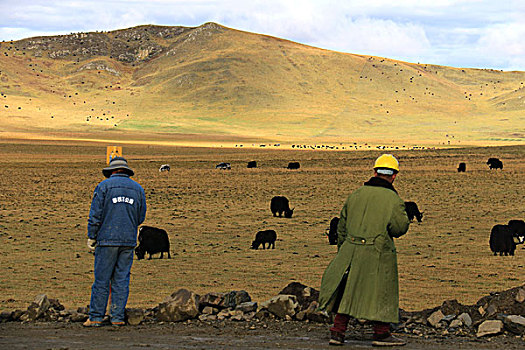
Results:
117 209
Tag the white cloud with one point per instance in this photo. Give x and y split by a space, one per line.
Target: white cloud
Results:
460 33
504 44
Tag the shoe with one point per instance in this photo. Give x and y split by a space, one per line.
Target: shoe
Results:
90 323
336 338
388 340
118 324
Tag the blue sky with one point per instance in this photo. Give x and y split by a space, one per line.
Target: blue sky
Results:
458 33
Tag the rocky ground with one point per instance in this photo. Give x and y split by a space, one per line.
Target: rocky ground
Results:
289 320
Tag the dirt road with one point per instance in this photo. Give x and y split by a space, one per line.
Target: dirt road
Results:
218 335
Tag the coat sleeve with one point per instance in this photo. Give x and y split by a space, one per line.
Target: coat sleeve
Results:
341 227
95 213
399 222
142 207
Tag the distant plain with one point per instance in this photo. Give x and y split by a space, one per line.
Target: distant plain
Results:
212 216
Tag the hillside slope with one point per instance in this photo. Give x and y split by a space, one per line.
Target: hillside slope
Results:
211 80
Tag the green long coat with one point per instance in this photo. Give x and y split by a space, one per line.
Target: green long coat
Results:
371 216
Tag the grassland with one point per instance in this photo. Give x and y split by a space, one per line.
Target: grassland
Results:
213 80
212 216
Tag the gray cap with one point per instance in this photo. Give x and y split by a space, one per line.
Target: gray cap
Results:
115 164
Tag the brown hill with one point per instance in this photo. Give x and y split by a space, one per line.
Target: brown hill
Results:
214 83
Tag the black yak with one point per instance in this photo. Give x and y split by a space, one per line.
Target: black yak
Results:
502 240
280 204
332 232
263 237
413 211
152 240
495 163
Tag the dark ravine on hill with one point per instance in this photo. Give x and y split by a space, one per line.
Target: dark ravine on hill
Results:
213 80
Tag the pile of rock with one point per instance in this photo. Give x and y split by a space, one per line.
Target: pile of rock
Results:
295 302
45 309
496 314
492 315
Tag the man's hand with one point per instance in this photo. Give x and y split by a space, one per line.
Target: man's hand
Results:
91 243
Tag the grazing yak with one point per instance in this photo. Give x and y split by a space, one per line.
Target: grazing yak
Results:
223 166
280 204
252 164
263 237
152 240
164 167
293 165
503 240
332 231
413 211
495 163
462 167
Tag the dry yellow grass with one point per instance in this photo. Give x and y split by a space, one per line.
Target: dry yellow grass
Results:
212 80
212 216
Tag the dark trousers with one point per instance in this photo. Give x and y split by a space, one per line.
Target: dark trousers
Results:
341 324
112 271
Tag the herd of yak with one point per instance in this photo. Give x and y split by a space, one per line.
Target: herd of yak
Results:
503 238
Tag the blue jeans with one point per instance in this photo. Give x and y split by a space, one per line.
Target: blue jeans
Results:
112 270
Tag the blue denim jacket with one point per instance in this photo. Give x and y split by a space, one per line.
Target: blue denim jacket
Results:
117 209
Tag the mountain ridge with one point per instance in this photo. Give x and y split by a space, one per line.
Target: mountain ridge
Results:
213 80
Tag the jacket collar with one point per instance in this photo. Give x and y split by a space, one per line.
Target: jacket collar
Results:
379 182
119 175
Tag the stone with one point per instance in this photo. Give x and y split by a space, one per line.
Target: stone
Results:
246 307
225 313
78 317
64 313
282 305
262 314
435 318
208 310
304 294
250 315
6 316
481 311
207 317
55 304
237 315
491 310
466 319
450 307
515 324
38 307
300 316
234 298
214 300
24 317
456 323
180 306
17 314
313 314
449 318
520 295
490 327
135 316
83 310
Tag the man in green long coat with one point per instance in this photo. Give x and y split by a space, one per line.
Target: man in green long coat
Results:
362 281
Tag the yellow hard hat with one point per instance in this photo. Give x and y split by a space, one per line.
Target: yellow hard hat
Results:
387 161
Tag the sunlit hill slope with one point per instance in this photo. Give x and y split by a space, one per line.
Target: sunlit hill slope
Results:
210 81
